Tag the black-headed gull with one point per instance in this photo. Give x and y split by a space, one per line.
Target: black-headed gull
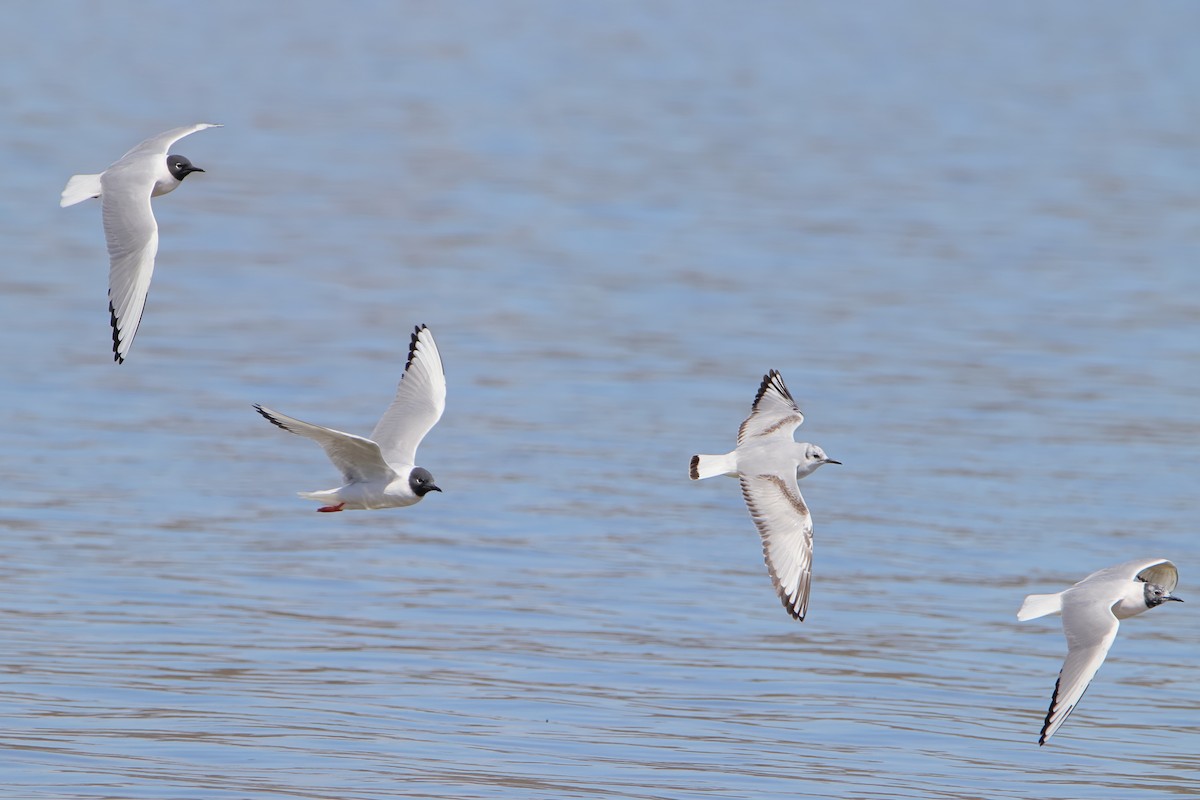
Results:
768 462
381 472
1091 611
125 189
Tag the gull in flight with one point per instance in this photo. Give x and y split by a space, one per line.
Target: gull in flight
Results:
125 189
381 472
1091 613
768 462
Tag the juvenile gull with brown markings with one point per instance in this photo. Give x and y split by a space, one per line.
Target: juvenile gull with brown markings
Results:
768 463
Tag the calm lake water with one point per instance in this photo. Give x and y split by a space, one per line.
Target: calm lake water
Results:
966 233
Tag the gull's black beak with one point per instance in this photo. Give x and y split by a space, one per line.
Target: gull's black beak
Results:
1173 597
194 169
423 489
831 461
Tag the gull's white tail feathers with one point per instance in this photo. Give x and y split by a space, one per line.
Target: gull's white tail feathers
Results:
1039 605
80 188
708 466
323 496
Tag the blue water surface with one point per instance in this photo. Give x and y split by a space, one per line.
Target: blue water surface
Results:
966 233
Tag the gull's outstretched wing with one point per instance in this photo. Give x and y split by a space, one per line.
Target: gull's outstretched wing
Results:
786 529
161 143
357 458
1090 627
419 402
1157 570
1152 570
132 236
774 411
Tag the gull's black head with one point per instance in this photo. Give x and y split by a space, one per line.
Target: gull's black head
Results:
1157 595
420 480
180 167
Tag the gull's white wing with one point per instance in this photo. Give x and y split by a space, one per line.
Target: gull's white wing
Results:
419 402
774 411
132 236
1151 570
786 529
1090 627
358 459
1160 571
162 142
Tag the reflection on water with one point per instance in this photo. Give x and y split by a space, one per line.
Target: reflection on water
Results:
962 234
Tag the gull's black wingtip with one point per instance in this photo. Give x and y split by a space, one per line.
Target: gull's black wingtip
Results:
116 335
794 607
772 378
267 416
1042 737
412 344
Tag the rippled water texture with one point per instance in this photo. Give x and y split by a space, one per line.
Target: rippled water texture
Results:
966 233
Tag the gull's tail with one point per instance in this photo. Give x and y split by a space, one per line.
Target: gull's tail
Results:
1039 605
323 496
80 188
708 466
